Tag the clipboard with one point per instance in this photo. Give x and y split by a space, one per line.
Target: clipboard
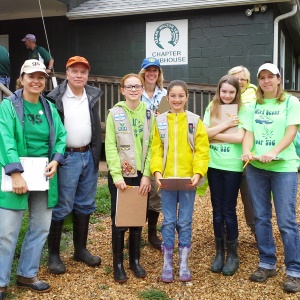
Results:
34 170
176 184
131 208
223 111
163 105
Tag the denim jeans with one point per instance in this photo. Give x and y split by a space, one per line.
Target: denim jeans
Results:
77 185
224 187
283 186
34 240
183 223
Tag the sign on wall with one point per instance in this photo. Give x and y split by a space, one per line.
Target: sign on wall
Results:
168 41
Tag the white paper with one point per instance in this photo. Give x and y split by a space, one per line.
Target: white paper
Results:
34 170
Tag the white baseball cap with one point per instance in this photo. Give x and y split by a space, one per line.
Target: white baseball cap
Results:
33 65
269 67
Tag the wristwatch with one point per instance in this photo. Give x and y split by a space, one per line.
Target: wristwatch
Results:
51 69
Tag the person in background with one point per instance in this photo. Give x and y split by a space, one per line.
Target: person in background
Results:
272 177
248 96
180 148
152 74
4 67
37 52
129 122
30 126
78 106
225 173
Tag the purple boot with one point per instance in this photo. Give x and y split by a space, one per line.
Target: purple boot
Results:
167 273
184 271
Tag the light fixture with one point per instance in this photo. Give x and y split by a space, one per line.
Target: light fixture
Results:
256 8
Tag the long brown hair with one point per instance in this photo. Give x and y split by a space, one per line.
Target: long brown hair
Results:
217 100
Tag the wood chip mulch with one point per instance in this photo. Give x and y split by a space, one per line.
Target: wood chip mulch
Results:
82 282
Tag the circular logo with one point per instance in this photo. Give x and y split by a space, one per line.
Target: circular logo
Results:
172 37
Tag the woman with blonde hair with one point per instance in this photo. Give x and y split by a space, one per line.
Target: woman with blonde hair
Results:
152 95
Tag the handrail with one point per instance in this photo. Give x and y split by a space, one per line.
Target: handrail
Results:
4 91
200 94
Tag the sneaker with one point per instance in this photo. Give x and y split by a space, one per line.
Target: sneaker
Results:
292 284
261 274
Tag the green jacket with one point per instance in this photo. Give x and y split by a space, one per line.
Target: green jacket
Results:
13 146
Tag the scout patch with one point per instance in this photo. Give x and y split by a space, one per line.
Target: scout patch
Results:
162 126
127 168
119 117
125 147
148 114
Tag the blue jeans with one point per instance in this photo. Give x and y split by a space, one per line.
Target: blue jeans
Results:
77 185
183 224
224 187
283 186
34 240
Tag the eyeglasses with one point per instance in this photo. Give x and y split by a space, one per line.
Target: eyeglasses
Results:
242 79
137 87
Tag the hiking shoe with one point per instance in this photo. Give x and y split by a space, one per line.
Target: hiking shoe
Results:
261 274
292 284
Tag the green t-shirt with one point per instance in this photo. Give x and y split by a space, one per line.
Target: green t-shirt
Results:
268 122
36 129
225 156
4 62
40 54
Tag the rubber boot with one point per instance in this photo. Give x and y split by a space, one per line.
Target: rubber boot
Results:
218 262
184 271
80 234
118 247
135 253
55 264
152 231
167 273
232 258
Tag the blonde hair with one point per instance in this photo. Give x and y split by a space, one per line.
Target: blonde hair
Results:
217 99
160 78
239 69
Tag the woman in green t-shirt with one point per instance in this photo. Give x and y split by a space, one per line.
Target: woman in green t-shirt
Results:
30 127
271 126
225 170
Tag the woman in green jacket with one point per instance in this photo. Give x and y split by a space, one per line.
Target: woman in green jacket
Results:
30 127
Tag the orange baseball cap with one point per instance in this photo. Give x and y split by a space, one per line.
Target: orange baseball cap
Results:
77 59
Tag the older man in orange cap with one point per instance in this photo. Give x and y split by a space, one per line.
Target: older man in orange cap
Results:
78 106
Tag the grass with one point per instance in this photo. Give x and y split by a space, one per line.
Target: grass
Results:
153 295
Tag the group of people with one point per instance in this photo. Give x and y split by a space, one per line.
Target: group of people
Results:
258 158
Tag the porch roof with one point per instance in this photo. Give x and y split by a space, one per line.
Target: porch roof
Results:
113 8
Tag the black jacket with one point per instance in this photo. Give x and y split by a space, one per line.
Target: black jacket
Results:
93 95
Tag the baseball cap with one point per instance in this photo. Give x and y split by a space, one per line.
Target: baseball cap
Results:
150 61
33 65
269 67
77 59
29 37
